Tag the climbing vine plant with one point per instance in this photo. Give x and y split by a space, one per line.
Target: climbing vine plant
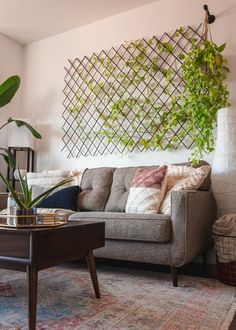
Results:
130 97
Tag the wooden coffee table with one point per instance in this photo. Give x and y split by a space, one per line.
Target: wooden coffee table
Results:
33 249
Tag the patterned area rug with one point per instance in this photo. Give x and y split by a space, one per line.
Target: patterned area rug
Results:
131 299
6 290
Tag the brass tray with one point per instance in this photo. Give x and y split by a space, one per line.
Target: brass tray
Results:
38 220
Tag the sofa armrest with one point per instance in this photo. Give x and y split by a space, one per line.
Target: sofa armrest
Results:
3 200
193 214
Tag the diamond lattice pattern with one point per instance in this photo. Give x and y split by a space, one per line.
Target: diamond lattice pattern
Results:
121 100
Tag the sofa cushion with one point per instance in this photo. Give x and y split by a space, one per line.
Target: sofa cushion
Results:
66 198
122 178
131 226
206 184
147 191
182 178
95 185
50 178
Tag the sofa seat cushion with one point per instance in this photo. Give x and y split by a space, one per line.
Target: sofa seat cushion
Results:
132 227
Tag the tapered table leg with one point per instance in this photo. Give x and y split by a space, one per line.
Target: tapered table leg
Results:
93 272
32 279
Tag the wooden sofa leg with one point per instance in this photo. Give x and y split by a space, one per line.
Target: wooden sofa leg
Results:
174 275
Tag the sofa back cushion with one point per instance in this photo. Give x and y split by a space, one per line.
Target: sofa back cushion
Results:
122 178
96 186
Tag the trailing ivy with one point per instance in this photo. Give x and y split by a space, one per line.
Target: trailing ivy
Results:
204 92
149 94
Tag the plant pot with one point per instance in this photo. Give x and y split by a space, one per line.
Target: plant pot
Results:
25 216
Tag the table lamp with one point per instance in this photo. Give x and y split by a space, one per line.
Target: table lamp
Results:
20 137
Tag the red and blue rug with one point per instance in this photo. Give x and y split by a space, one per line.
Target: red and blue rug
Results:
131 299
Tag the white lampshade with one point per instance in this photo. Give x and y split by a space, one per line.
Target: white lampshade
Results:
18 173
224 163
20 136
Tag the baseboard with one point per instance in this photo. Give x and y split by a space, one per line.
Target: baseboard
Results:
193 268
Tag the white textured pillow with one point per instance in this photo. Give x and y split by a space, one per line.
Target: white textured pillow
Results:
146 191
182 178
49 179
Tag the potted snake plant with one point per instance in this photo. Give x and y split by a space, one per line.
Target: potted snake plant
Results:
26 204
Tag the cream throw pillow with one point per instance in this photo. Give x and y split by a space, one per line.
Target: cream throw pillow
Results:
49 178
146 191
182 178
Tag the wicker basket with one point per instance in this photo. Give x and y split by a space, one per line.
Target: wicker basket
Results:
225 247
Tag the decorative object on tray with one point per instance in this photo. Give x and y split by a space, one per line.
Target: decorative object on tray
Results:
24 211
33 219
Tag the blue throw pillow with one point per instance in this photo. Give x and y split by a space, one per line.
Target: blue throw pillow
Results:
66 198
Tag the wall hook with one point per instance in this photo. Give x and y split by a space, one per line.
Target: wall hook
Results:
211 18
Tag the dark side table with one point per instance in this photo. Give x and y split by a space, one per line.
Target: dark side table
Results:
33 249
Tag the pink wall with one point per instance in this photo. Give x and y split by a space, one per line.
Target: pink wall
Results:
44 62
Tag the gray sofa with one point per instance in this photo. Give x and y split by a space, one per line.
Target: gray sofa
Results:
151 238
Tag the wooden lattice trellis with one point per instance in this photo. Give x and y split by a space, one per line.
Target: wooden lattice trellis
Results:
121 99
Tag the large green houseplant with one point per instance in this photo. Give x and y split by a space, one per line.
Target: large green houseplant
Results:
25 200
7 91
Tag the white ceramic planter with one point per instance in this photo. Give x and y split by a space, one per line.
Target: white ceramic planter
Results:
224 162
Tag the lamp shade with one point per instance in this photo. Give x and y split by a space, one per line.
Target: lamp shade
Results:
20 136
224 162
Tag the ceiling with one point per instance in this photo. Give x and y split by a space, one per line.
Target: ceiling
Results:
30 20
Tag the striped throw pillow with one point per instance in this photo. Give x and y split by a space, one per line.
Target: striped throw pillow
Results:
50 178
182 178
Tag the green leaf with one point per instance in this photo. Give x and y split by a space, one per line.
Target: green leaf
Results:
41 197
194 40
221 48
12 191
8 157
181 56
8 89
154 68
20 123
